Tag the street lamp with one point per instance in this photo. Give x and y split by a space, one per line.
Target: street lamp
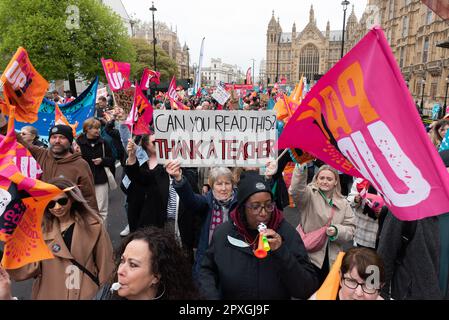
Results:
152 9
277 58
194 73
188 62
423 82
445 97
253 68
345 4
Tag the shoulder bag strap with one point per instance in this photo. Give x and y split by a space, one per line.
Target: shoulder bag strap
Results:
85 271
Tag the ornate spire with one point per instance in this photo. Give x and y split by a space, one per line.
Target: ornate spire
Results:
352 18
311 15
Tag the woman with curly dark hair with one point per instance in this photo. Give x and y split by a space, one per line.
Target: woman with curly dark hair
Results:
150 265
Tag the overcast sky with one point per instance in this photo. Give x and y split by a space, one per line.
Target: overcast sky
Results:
235 30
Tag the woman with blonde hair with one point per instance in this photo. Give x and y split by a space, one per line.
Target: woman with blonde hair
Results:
438 132
212 209
321 204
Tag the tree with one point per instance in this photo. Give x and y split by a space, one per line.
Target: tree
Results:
64 39
144 51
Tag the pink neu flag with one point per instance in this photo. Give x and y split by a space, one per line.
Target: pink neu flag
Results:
172 89
361 119
148 77
117 74
141 114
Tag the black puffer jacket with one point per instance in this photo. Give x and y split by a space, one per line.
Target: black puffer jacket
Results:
94 150
232 272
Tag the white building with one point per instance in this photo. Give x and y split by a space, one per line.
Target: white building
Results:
118 7
219 71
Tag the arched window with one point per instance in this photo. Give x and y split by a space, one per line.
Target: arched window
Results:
166 47
309 61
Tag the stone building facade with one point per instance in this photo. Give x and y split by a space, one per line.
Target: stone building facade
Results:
309 51
414 32
168 40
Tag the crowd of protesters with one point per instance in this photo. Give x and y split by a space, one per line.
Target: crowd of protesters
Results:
192 233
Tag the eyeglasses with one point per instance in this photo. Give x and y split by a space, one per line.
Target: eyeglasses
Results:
352 284
61 202
257 208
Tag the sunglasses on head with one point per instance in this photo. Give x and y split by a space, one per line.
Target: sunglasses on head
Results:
61 202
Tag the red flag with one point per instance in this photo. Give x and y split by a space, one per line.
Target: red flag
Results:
149 76
24 87
248 76
117 74
141 114
22 205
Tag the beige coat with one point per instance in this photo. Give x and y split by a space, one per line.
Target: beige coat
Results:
314 214
57 279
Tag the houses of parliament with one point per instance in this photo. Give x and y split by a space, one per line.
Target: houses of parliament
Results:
417 36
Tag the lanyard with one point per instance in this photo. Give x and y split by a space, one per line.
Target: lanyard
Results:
328 201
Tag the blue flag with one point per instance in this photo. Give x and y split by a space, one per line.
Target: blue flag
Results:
80 109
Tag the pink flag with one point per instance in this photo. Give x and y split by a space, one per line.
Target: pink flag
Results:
361 119
117 74
141 114
149 76
172 90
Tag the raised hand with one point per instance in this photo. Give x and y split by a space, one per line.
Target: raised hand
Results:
173 168
5 285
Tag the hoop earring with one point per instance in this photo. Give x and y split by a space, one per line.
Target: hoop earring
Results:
159 296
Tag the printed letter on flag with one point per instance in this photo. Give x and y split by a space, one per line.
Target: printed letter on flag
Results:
361 119
22 205
117 74
23 86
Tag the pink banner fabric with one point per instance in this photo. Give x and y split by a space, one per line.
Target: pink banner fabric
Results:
361 119
172 90
148 77
117 74
141 114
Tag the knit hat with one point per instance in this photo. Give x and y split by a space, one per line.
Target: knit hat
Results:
249 184
66 131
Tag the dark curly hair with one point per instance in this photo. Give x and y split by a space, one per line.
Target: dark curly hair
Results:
168 260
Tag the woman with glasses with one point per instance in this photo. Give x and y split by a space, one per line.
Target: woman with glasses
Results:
211 209
231 269
360 274
321 204
83 257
